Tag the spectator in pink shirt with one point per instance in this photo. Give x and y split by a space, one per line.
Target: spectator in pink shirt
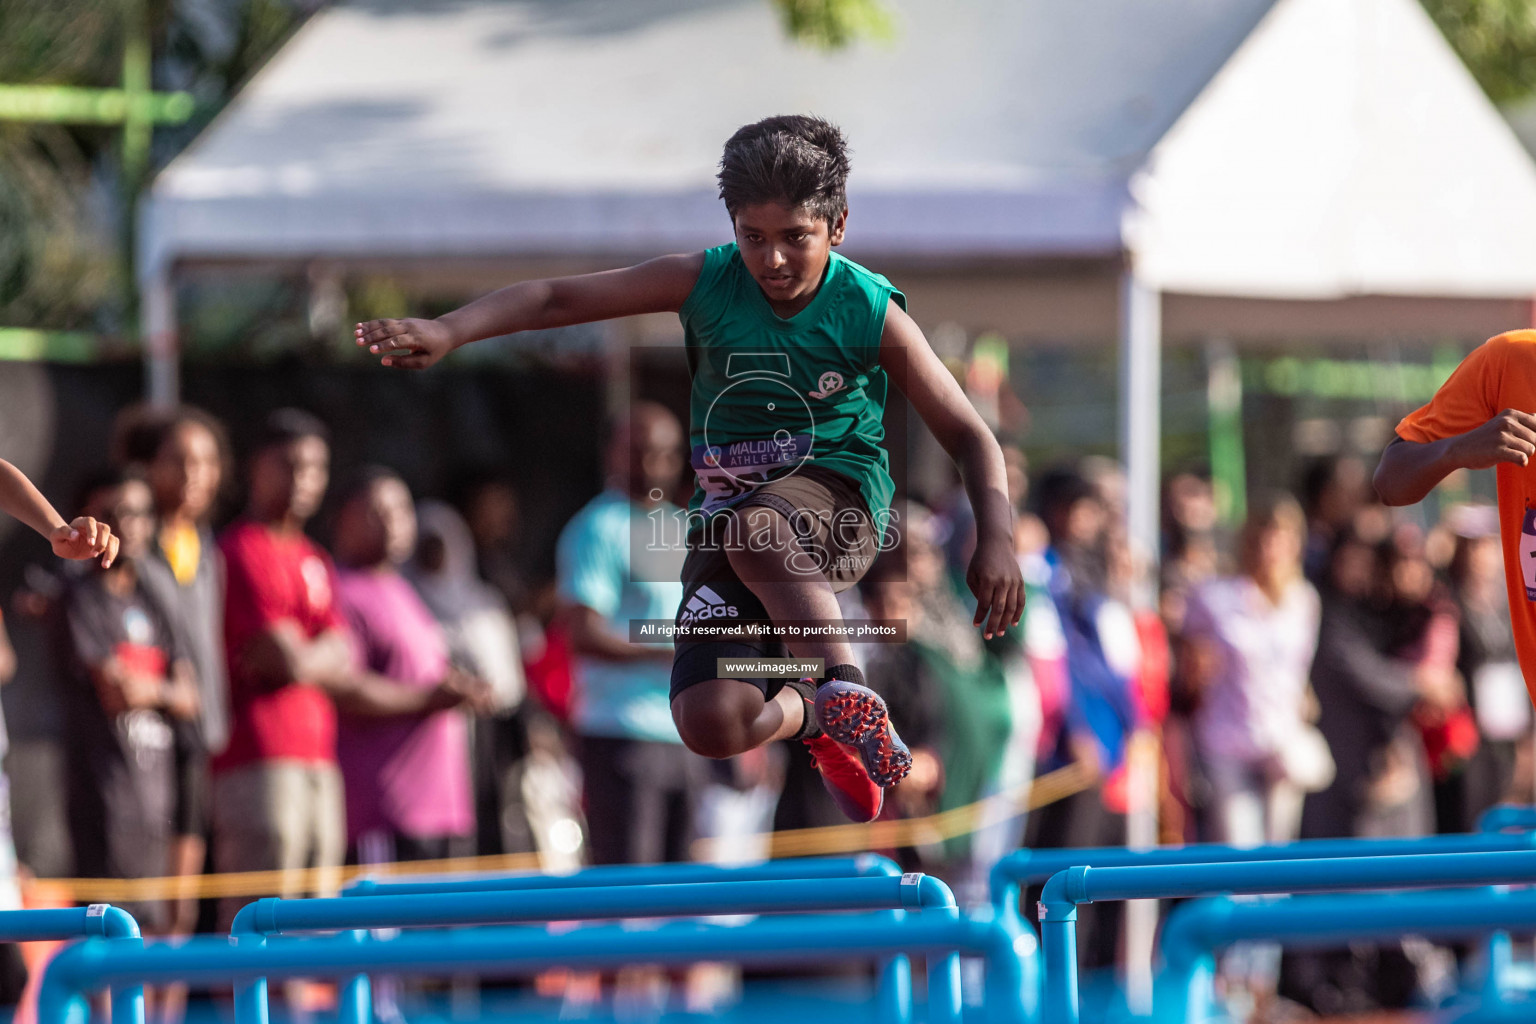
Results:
407 781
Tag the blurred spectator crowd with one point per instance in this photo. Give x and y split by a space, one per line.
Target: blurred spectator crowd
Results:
330 670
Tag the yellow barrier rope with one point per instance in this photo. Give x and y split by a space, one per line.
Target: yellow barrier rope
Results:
934 828
262 883
805 842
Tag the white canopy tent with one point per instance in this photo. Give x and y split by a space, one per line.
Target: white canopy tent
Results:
1231 166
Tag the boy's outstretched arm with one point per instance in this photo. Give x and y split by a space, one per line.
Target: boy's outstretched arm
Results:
83 538
993 575
660 285
1409 470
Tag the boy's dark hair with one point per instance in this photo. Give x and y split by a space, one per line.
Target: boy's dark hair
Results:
285 426
791 159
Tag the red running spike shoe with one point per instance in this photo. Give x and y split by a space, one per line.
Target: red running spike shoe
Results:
842 772
855 716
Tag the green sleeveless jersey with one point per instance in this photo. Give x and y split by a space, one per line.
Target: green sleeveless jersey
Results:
771 395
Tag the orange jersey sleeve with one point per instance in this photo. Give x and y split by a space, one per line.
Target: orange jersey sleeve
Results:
1500 374
1468 399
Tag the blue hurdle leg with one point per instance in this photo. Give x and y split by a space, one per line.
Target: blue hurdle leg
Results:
250 995
1058 945
893 995
127 1004
355 1003
944 989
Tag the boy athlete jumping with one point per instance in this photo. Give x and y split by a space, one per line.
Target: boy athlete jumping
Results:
791 347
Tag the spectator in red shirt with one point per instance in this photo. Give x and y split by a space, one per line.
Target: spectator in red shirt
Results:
277 799
276 787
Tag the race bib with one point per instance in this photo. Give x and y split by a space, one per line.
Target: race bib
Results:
727 472
1528 553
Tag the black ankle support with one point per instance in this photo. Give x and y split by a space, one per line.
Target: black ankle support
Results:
809 726
846 673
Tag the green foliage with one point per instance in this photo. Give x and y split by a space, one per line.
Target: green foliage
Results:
61 260
835 24
64 42
1496 39
57 264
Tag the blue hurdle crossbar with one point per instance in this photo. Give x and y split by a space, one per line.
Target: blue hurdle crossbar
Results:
520 951
1198 930
1065 890
274 916
99 920
864 865
1033 867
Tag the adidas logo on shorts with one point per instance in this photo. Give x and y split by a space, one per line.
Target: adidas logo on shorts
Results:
706 604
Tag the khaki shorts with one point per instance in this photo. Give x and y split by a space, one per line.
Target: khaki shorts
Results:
280 815
838 542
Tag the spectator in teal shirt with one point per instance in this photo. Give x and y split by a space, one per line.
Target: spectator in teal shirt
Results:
640 780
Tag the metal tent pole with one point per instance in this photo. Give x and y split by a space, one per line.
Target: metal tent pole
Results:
162 364
1141 340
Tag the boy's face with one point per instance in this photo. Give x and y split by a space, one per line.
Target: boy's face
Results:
786 249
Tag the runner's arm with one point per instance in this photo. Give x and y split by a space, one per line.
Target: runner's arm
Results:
993 575
83 538
660 285
1409 470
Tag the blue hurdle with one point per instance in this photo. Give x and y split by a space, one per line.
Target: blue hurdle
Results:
864 865
1026 867
1508 816
518 951
268 917
1197 931
1067 889
99 920
1033 867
